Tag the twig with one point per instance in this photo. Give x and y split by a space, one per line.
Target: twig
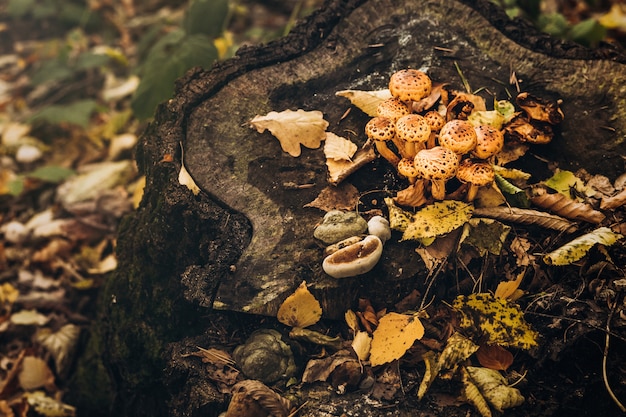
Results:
604 360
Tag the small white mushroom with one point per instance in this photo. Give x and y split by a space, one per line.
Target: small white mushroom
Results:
379 226
355 259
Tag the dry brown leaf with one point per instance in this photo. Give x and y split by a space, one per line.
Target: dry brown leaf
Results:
342 197
494 357
520 247
367 101
540 109
320 369
300 309
563 206
394 335
254 399
525 216
412 196
428 102
34 374
293 128
338 148
610 203
340 170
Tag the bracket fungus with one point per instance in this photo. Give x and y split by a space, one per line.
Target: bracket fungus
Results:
355 259
438 165
338 225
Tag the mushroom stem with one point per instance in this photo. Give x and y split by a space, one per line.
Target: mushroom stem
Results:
471 193
387 153
412 148
400 144
438 189
431 140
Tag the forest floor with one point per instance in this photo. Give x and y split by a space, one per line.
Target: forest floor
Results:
67 177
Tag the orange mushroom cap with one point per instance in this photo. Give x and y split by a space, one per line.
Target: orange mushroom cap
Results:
413 128
392 108
410 85
458 136
436 163
489 141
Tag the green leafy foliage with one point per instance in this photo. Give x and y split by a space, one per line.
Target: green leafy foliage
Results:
206 17
77 113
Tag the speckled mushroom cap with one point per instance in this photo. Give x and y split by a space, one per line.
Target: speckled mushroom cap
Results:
413 128
380 128
476 173
406 168
458 136
436 163
435 120
392 108
489 141
410 85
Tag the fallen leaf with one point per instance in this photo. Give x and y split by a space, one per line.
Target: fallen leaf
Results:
340 170
29 318
494 388
253 398
577 248
300 309
458 348
565 206
338 148
367 101
437 219
491 118
615 18
394 335
565 182
34 374
486 235
513 194
8 294
499 321
540 109
293 128
320 369
506 289
361 345
610 203
61 345
398 219
342 197
430 374
352 321
494 357
473 396
48 407
185 179
526 216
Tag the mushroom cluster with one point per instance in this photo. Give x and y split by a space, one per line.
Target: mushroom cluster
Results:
431 135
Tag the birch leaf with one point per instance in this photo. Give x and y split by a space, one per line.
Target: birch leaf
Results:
367 101
577 248
394 335
338 148
499 321
437 219
300 309
293 128
398 219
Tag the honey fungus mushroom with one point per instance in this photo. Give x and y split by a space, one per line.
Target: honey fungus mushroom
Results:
438 165
392 108
458 136
489 141
414 132
406 168
410 85
475 173
381 130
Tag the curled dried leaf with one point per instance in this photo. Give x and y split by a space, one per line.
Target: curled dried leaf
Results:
526 216
566 207
251 398
540 109
494 357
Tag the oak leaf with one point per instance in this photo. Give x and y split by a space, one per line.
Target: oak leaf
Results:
338 148
293 128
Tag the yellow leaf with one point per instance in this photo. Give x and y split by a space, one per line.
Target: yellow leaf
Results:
338 148
8 294
361 345
577 248
430 374
614 18
293 128
367 101
458 348
506 289
499 321
352 321
394 335
437 219
300 309
398 219
473 396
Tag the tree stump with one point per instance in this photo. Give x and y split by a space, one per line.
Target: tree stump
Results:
245 242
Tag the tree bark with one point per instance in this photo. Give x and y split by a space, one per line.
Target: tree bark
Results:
245 242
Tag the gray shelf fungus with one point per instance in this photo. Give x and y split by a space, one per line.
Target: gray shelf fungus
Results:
265 357
338 225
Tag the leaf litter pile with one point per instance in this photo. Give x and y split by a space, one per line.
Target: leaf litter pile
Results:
461 206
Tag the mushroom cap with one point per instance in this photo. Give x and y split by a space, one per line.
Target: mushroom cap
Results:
458 136
476 173
435 120
356 259
489 141
380 128
392 108
436 163
413 128
406 168
410 85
